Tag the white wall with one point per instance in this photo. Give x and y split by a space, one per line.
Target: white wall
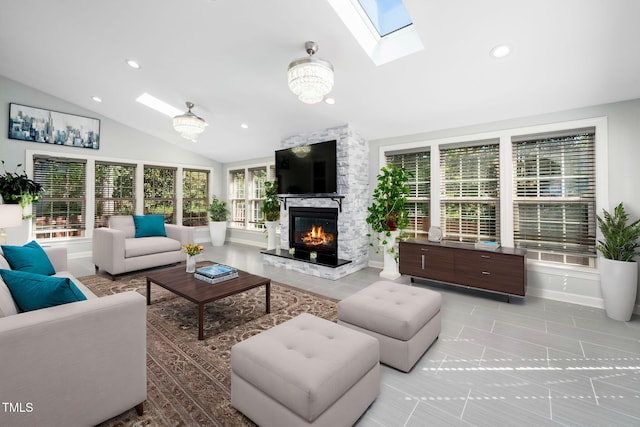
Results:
570 284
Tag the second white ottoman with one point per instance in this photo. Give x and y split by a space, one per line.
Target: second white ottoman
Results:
405 320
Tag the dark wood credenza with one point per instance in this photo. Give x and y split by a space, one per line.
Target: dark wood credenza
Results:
503 270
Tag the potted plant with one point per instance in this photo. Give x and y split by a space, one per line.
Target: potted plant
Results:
271 212
17 188
618 269
388 215
218 216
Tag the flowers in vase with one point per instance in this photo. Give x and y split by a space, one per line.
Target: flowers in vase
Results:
192 249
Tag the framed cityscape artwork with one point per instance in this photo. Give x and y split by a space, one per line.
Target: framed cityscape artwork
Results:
52 127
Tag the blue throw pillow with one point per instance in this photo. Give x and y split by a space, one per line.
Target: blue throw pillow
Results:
149 225
35 291
30 257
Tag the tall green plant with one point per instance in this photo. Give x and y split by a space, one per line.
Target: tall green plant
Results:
218 210
387 211
620 240
271 203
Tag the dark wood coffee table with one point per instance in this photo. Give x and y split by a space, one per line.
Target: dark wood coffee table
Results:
178 281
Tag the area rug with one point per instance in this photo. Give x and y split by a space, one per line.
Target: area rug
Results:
189 381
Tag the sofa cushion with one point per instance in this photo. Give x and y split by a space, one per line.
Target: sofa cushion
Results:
7 304
30 258
3 262
140 246
123 223
149 225
35 291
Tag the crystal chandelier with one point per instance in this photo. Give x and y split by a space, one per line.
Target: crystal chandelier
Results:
188 125
310 78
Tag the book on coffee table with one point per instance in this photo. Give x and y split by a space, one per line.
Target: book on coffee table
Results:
215 273
214 280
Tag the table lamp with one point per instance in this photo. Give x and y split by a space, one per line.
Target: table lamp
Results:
10 216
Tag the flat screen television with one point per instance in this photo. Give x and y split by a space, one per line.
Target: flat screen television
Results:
307 169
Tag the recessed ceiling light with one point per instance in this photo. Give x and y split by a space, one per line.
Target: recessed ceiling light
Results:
133 64
158 105
96 98
500 51
244 126
330 101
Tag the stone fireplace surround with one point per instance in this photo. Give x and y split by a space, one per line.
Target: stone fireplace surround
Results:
353 184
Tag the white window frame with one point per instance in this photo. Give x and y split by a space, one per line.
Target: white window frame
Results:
90 182
252 205
506 174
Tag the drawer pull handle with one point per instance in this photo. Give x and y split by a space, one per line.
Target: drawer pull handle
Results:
424 249
486 273
485 256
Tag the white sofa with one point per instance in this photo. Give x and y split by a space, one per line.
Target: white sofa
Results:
116 249
75 364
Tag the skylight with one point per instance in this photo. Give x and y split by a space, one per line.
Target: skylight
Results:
158 105
386 16
383 28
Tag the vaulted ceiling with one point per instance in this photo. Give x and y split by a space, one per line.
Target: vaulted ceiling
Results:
230 58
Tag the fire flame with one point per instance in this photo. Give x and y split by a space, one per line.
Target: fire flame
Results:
316 236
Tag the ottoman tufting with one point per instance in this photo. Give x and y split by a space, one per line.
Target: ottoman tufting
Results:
305 371
405 320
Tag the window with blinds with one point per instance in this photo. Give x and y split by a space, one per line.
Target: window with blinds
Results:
159 192
554 196
237 197
469 192
60 212
419 166
246 193
258 177
195 197
115 191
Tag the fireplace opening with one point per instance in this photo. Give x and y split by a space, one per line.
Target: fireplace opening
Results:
314 230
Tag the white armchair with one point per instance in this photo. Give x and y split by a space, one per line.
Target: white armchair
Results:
116 249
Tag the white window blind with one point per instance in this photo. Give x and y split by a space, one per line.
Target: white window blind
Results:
418 164
554 195
115 191
258 176
237 197
469 195
60 212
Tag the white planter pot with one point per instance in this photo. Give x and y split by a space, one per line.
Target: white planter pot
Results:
271 234
619 286
24 233
390 270
218 232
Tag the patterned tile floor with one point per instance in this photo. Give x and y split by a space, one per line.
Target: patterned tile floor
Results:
531 362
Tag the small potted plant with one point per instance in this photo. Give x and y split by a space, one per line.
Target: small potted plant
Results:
192 250
218 216
618 269
271 212
388 215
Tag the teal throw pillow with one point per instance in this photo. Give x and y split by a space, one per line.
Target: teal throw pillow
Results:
30 257
35 291
149 225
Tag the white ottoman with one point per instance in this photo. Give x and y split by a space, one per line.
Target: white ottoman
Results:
405 320
306 371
